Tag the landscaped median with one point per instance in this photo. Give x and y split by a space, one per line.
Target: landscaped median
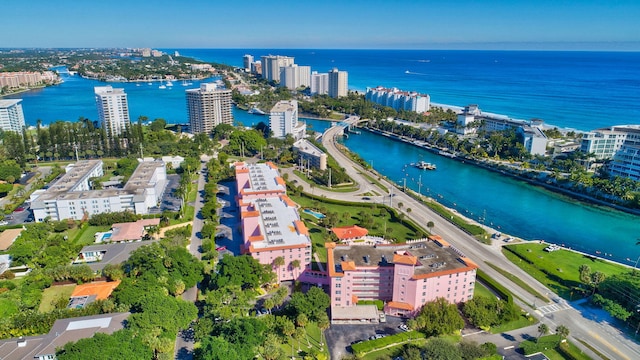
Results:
366 347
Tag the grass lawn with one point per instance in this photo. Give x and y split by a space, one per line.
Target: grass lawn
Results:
313 337
319 235
557 270
50 295
521 322
481 290
87 236
374 181
550 346
336 188
518 281
391 352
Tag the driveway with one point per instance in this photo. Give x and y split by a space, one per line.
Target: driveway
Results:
339 337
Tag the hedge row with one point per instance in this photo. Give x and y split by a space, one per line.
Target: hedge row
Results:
471 229
494 285
372 345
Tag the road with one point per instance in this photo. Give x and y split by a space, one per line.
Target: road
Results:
598 333
185 341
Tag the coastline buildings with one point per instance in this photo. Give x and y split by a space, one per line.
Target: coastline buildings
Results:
294 76
405 276
11 115
319 83
271 66
621 144
283 120
338 83
398 99
208 107
271 227
23 79
247 60
533 138
310 154
71 196
113 109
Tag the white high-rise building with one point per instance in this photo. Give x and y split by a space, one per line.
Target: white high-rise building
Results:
247 60
319 83
113 109
338 83
208 107
11 115
294 76
283 120
271 66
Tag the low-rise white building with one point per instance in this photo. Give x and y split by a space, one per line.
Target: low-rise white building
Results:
71 196
398 99
310 153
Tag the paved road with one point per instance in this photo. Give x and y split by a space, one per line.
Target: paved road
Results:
598 333
185 341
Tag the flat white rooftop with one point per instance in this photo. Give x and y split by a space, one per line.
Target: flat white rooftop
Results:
263 177
280 223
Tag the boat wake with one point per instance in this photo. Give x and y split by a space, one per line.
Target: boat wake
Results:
414 73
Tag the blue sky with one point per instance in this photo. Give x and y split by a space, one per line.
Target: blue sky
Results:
400 24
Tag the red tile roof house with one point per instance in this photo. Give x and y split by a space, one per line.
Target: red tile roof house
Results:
132 231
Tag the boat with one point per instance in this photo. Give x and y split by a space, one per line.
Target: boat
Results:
422 165
149 83
256 111
162 85
185 83
407 72
169 83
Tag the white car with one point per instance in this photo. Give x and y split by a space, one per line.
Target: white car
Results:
403 327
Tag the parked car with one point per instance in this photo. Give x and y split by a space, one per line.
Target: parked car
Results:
19 209
403 327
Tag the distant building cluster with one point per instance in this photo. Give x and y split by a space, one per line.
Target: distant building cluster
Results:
270 224
471 119
621 144
147 52
11 115
398 99
16 80
284 70
71 197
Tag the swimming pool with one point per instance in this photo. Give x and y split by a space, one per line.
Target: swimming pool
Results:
315 214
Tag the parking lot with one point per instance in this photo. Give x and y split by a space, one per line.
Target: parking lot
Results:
228 232
169 200
339 337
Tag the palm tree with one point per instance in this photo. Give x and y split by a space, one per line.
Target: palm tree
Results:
302 321
543 329
295 264
323 324
430 225
278 263
563 331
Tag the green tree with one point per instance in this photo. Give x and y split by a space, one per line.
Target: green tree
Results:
543 329
438 317
563 331
430 226
119 345
441 349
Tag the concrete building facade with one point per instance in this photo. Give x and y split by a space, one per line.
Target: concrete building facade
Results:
310 154
283 120
404 276
71 196
338 83
208 107
271 226
621 144
247 60
11 115
113 109
271 65
398 99
319 83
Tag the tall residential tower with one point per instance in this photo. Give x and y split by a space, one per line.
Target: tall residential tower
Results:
338 83
113 109
208 107
11 116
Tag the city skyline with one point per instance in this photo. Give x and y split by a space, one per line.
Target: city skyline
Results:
460 24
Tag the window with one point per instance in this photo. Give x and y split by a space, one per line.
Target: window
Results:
338 285
338 299
424 287
424 294
338 292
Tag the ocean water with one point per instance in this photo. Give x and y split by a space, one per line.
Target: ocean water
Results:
579 90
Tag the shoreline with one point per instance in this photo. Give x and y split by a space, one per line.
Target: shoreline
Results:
587 200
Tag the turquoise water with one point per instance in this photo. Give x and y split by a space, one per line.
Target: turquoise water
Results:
315 214
509 205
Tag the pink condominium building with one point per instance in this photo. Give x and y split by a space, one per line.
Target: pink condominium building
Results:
404 276
271 226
